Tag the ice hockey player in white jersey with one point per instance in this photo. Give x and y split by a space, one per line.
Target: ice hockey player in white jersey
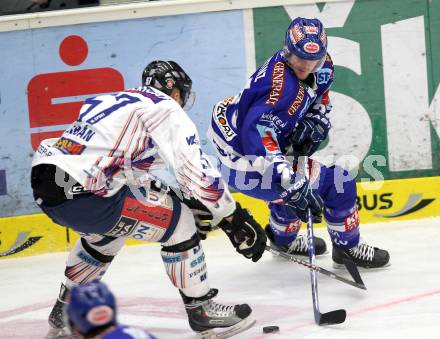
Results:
96 180
92 313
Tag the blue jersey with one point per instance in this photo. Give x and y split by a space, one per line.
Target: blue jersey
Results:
250 130
127 332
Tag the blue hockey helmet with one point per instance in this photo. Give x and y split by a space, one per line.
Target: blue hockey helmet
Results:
91 306
305 40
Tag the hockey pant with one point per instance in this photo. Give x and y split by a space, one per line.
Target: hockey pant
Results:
159 219
336 187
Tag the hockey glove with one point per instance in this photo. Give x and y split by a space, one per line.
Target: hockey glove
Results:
202 217
310 132
299 196
245 234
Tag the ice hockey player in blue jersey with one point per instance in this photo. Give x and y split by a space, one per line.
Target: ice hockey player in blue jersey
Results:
280 115
92 313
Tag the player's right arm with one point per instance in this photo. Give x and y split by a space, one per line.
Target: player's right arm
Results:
178 142
260 140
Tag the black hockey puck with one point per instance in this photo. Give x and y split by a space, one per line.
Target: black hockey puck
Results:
270 329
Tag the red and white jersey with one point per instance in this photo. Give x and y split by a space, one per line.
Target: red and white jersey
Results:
119 138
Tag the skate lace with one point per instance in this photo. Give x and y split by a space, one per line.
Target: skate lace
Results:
299 245
363 252
219 310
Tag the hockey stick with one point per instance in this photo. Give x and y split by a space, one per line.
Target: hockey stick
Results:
351 267
314 267
328 318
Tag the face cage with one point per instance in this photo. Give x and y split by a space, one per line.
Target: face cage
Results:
290 59
188 97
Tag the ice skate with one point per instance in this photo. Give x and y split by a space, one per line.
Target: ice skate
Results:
59 329
363 255
299 246
213 320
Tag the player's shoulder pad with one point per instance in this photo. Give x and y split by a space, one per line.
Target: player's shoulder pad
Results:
263 73
324 76
284 84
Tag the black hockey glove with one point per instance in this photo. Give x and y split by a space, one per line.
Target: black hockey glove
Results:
310 132
245 234
299 196
202 217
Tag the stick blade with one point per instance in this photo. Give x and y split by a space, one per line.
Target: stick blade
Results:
332 317
354 272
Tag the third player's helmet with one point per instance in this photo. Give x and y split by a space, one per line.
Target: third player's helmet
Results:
306 39
166 75
92 306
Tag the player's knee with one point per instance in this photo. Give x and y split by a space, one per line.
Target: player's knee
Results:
102 246
185 266
183 246
90 259
185 228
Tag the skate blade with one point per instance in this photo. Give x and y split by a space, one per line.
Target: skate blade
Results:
227 332
339 266
59 333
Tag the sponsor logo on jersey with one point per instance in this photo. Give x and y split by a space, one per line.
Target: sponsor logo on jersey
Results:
324 76
336 237
222 123
171 259
200 259
155 215
352 221
274 120
68 146
83 132
88 259
43 151
198 271
124 226
293 226
192 140
270 142
325 99
229 100
148 232
277 83
311 47
262 71
297 102
77 189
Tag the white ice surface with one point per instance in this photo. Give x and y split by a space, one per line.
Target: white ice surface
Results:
402 301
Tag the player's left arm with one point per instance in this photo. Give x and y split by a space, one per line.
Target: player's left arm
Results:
179 145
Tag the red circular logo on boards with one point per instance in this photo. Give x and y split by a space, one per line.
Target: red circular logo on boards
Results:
73 50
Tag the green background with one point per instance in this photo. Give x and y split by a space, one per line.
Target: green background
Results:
364 26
